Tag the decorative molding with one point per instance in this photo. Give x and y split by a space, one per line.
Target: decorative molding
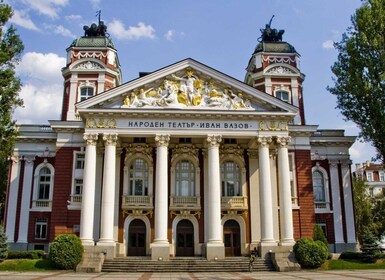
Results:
88 54
264 141
101 123
252 153
273 126
88 66
186 151
283 141
110 139
280 70
137 149
278 59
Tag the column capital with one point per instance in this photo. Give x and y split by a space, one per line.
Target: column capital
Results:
29 159
214 140
91 138
264 141
283 141
15 159
345 162
110 139
162 140
253 153
333 163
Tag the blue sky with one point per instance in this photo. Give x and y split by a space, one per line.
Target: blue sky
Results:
151 34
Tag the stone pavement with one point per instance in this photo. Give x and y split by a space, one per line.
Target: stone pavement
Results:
69 275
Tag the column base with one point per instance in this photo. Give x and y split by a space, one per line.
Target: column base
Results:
287 243
215 251
108 248
88 242
160 251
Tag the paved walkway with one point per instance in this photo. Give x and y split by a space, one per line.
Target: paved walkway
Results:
65 275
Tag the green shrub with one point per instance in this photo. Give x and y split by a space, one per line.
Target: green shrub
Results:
3 245
33 254
318 234
348 255
66 251
310 253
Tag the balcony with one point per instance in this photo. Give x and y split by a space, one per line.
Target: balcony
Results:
42 204
185 203
321 206
75 202
234 203
137 202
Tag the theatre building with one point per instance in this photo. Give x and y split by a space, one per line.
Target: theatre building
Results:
182 161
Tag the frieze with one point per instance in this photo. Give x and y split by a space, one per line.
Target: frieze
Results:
280 70
101 123
186 91
88 65
273 126
98 55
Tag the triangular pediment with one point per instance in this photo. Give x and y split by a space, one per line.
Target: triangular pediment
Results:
186 85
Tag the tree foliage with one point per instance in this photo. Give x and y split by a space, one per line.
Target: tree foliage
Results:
66 251
360 73
3 245
11 47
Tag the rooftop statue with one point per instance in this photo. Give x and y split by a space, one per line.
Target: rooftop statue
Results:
95 29
271 34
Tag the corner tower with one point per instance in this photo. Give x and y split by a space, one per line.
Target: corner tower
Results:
92 67
274 68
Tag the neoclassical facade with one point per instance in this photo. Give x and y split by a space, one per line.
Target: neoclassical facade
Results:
182 161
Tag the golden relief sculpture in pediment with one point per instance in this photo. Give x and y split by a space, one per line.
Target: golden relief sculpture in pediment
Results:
186 91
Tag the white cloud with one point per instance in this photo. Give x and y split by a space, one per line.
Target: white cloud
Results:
48 8
42 67
328 44
95 3
361 152
41 103
73 17
117 29
169 35
61 30
21 18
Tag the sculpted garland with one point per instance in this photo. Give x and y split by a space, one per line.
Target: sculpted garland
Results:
186 91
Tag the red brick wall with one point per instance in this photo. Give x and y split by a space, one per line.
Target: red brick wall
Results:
305 193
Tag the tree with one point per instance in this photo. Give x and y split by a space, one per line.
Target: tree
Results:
3 245
11 47
360 73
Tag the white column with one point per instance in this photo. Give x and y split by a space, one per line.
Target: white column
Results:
266 201
160 246
215 246
286 211
336 202
12 199
72 98
205 194
26 199
117 194
88 197
348 202
108 191
255 215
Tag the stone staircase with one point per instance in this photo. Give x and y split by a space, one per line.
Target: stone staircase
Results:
181 264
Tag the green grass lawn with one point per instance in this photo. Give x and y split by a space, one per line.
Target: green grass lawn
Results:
352 264
26 265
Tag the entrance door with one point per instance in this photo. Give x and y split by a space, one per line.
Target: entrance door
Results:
184 239
232 238
136 238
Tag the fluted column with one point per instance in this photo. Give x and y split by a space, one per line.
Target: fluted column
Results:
215 247
108 192
88 197
336 201
286 211
25 200
160 246
12 198
254 208
266 201
348 202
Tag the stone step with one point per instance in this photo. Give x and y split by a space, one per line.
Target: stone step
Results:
128 264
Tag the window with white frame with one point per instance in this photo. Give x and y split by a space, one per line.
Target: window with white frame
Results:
369 176
283 95
79 161
138 177
44 185
318 187
231 177
323 226
86 92
41 226
381 176
293 182
184 178
78 187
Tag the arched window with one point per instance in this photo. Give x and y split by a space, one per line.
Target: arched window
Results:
44 184
86 92
318 187
231 176
138 177
185 178
283 95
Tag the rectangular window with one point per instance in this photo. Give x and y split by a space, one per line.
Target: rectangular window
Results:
79 161
381 176
369 176
293 184
322 224
78 190
41 226
86 93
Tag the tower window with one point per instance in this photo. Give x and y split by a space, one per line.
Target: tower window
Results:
283 95
86 92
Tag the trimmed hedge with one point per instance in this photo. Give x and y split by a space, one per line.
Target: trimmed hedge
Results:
33 254
66 251
310 253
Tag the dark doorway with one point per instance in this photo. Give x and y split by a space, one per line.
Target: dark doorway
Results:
136 238
232 238
184 239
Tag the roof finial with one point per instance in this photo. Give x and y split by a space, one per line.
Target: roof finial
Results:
269 34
